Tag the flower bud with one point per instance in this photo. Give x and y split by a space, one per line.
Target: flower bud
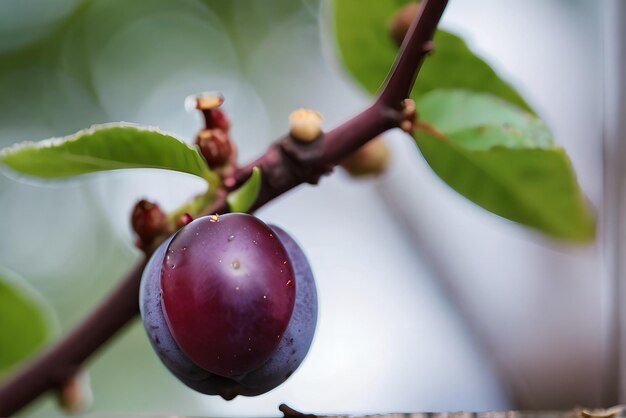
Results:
409 114
204 101
371 159
305 125
148 220
401 21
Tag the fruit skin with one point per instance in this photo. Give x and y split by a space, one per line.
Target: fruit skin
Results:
298 336
154 320
285 358
228 291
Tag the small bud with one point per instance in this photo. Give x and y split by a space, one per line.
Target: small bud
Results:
305 125
148 220
371 159
184 220
401 21
215 146
204 101
409 108
75 395
409 115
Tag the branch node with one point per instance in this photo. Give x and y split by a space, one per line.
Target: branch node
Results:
206 100
409 116
305 159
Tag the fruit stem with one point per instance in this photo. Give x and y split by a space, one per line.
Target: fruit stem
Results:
286 164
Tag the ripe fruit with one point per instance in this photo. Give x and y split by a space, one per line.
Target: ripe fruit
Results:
230 306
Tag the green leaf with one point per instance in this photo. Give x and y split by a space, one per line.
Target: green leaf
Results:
502 158
244 197
533 186
26 321
480 136
106 147
368 51
458 110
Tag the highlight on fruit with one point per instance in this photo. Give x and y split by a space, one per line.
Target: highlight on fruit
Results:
229 305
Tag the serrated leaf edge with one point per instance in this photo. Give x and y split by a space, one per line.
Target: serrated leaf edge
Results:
207 175
57 141
503 185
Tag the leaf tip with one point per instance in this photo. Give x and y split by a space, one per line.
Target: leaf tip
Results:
242 199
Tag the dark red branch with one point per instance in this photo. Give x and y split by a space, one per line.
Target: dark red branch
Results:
419 41
283 170
60 362
289 163
285 165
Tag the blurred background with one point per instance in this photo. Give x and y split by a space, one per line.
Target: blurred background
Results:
427 302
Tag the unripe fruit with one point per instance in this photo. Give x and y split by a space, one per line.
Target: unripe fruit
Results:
371 159
229 306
